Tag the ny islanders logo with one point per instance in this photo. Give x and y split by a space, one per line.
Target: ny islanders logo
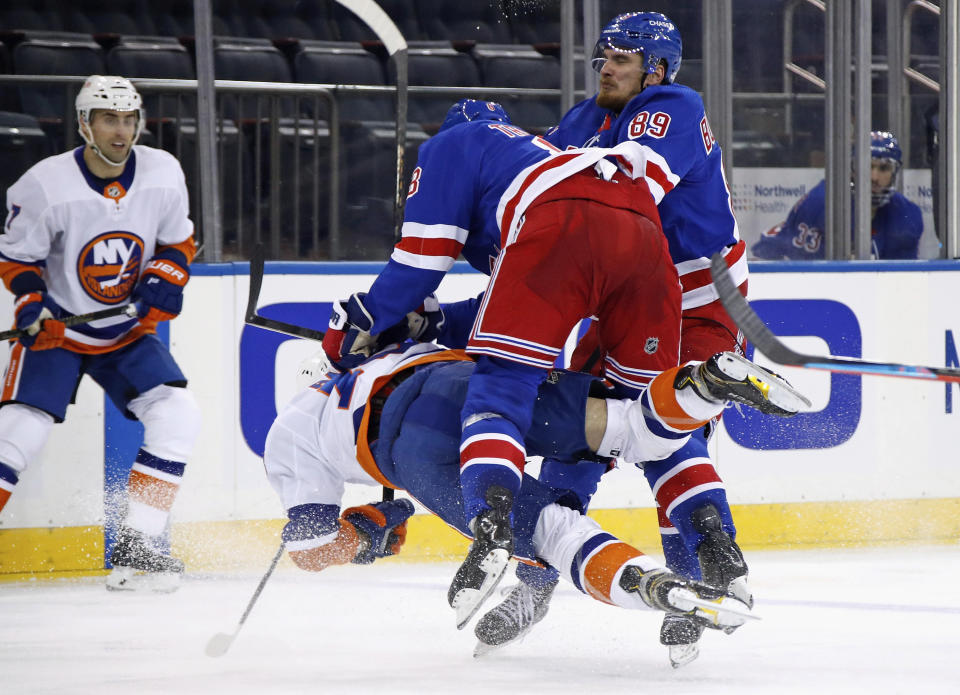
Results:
109 265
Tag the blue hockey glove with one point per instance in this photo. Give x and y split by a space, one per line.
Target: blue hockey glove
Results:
33 315
382 527
159 294
427 322
347 341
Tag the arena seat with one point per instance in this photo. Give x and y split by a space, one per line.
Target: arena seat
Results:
536 22
55 53
286 19
402 12
28 15
515 65
435 63
175 17
109 17
450 21
22 144
159 57
344 62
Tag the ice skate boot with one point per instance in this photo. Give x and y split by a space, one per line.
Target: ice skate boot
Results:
706 605
524 607
138 567
721 560
730 377
487 558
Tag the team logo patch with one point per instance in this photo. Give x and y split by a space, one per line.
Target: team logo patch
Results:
114 191
109 266
651 345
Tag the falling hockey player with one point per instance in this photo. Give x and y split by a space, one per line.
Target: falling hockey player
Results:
393 421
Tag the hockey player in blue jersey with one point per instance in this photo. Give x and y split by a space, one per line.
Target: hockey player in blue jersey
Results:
896 223
638 55
551 228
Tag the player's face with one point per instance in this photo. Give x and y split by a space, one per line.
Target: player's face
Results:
621 79
881 174
113 132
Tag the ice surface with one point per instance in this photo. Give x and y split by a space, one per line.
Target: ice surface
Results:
842 621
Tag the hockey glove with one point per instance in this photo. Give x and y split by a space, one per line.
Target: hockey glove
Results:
159 294
427 322
33 315
347 341
382 528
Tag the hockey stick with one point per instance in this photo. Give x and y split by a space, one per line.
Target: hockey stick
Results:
127 310
256 281
380 23
220 642
770 345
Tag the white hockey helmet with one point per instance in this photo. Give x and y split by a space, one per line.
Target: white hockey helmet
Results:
112 93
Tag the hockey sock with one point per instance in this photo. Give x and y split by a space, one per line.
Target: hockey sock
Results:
151 489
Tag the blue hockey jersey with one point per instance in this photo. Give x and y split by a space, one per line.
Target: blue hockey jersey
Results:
896 229
467 194
685 161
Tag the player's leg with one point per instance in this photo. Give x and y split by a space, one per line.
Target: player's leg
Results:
705 331
602 566
171 421
37 387
521 326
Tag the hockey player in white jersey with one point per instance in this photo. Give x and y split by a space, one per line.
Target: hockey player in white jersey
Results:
393 421
100 226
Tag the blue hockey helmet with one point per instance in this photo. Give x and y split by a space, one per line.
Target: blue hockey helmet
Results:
649 33
884 148
467 110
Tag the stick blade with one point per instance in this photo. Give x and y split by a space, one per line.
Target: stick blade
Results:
219 644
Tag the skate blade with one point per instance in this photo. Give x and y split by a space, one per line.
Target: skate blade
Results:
129 579
467 602
683 654
482 648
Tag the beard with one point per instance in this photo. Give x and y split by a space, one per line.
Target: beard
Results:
614 101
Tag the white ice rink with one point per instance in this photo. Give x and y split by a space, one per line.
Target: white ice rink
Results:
844 621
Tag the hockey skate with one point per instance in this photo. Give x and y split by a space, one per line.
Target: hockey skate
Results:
706 605
524 607
721 560
721 565
138 567
487 559
730 377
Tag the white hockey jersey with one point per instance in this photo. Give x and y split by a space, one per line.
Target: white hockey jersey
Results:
319 441
90 238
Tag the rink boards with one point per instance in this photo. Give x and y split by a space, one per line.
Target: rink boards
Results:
874 462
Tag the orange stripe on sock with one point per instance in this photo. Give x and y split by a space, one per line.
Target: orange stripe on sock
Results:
151 491
664 399
600 569
4 496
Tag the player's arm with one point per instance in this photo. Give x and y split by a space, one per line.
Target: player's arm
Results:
435 228
24 246
906 228
159 292
770 245
319 535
